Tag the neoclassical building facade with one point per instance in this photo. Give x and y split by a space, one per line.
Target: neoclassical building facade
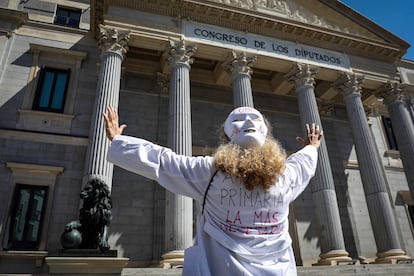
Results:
174 69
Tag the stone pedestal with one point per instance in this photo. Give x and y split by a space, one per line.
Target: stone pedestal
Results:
77 262
86 265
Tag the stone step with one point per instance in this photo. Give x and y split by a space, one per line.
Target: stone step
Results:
340 270
363 269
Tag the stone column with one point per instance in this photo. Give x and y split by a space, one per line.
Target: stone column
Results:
372 173
158 216
179 209
323 188
239 67
402 124
113 46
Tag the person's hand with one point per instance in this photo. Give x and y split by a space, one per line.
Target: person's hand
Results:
314 135
112 123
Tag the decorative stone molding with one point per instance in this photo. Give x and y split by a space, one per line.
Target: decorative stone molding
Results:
287 9
180 53
390 92
239 63
43 137
164 82
349 84
113 40
14 18
302 74
48 122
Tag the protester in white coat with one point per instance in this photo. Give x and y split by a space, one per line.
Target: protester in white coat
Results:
244 191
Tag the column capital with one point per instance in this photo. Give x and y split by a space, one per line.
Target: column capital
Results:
302 74
349 84
390 92
238 63
113 40
179 53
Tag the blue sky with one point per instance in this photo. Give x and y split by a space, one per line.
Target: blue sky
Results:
395 16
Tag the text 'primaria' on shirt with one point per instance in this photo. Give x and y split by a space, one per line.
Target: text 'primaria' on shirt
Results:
255 198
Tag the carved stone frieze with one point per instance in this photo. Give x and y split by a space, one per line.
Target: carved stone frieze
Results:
287 9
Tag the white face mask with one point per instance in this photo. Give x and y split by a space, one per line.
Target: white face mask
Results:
245 127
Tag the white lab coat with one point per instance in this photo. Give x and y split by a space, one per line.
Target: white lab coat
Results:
241 232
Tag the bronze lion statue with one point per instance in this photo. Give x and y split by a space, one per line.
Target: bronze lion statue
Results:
90 231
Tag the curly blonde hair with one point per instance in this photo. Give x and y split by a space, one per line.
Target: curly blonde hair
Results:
256 167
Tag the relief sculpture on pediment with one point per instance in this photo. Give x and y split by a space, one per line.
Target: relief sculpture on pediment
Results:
247 4
277 5
284 9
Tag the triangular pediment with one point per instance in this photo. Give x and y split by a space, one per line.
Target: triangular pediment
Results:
339 18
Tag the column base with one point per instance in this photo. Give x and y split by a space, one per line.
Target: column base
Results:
173 259
333 258
86 265
391 257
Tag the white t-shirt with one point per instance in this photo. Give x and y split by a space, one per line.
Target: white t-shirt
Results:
241 232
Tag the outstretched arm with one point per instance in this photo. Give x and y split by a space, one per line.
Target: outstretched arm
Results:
180 174
112 123
301 166
314 135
